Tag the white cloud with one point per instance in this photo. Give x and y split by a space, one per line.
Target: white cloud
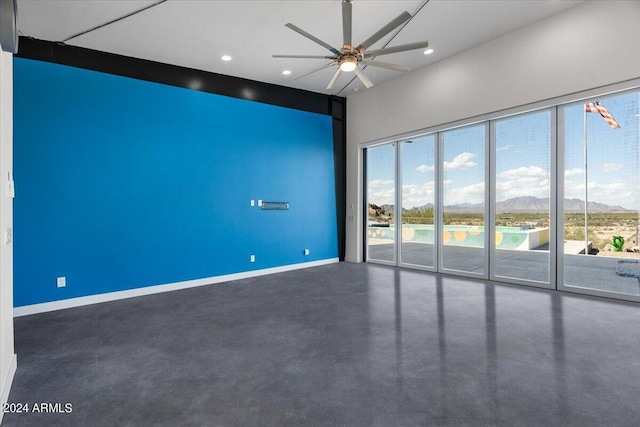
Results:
523 181
505 148
381 197
461 161
531 171
473 193
379 183
612 167
418 194
614 194
381 192
573 172
425 168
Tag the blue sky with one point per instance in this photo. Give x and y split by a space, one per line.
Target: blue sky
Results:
522 159
612 153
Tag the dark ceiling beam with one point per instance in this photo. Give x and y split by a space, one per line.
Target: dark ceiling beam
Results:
174 75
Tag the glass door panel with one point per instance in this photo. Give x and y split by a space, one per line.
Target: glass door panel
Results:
463 173
600 240
381 193
522 236
417 169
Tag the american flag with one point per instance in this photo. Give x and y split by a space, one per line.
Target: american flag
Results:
597 107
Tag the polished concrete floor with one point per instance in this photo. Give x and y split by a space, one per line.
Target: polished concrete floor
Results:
338 345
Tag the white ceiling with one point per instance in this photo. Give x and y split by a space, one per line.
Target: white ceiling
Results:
196 33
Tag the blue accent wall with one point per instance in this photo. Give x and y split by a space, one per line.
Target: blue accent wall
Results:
123 183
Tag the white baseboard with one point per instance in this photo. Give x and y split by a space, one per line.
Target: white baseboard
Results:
148 290
7 383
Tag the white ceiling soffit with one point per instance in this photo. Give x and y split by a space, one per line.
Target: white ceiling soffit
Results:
196 33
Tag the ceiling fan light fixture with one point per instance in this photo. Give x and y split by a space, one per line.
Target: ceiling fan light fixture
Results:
348 66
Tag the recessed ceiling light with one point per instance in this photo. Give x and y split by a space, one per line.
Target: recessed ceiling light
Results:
286 72
428 51
225 58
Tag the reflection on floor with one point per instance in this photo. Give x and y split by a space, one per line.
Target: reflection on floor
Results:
591 272
343 344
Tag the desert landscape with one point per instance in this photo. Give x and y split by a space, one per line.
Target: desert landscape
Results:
605 222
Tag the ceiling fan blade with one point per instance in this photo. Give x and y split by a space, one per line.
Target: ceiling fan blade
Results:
365 80
396 49
312 38
315 69
346 21
334 79
385 65
404 16
304 56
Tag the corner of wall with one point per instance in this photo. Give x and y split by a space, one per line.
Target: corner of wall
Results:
354 223
7 356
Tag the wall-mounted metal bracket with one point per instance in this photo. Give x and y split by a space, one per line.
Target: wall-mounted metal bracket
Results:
275 206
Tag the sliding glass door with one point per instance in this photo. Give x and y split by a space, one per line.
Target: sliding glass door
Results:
523 202
462 221
600 161
417 172
381 202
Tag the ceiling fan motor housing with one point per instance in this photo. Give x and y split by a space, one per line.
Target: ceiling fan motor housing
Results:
349 57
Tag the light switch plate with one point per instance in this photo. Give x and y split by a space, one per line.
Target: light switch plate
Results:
11 190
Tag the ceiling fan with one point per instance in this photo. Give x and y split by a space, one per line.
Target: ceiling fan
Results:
350 57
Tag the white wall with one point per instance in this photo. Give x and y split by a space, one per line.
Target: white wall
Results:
586 47
7 356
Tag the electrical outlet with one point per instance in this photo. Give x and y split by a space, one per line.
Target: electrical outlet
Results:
253 258
253 202
306 251
62 282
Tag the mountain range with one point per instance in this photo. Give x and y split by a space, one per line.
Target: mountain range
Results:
524 204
